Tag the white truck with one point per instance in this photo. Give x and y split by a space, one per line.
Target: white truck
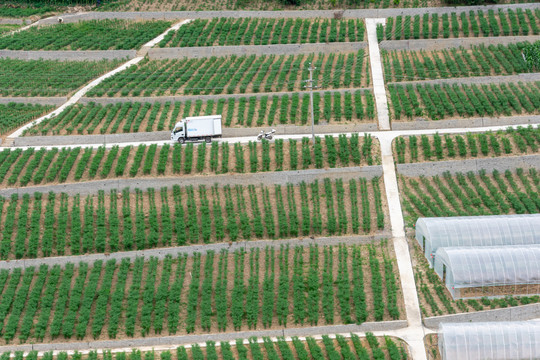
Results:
197 128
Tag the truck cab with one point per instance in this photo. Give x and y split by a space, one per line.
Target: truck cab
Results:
179 132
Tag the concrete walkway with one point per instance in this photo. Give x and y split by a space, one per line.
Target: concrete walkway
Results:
379 89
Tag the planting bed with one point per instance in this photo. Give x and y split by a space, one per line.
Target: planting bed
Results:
236 74
13 115
48 78
210 292
79 225
31 166
257 349
469 194
462 24
86 35
435 299
472 145
452 63
253 31
5 28
329 107
442 101
11 10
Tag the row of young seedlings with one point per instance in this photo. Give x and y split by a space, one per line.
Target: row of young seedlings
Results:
23 167
472 195
441 101
522 140
502 23
185 294
65 225
234 74
341 347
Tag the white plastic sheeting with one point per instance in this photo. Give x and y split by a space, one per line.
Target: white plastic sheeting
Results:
496 230
475 267
490 340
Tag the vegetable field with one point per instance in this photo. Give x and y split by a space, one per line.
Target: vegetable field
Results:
236 74
189 215
442 101
463 24
7 11
329 107
86 35
451 63
5 28
253 31
470 194
265 348
472 145
436 300
48 77
13 115
211 292
18 167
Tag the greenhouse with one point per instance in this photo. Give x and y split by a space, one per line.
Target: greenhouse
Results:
490 340
475 272
497 230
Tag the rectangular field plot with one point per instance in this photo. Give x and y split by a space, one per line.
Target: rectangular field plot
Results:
48 78
437 102
210 292
237 74
292 109
469 194
13 115
253 31
477 61
86 35
437 147
189 215
463 24
31 166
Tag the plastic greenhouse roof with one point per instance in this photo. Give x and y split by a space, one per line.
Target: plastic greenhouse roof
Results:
490 340
490 266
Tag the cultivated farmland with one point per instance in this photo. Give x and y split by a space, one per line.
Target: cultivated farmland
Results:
210 292
13 115
88 35
47 77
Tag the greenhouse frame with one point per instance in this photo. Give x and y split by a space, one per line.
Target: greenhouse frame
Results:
496 230
493 271
490 340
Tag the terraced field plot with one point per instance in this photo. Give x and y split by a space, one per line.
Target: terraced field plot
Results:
472 145
463 24
329 107
79 225
253 31
47 77
236 74
86 35
202 293
18 167
489 60
13 115
470 195
442 101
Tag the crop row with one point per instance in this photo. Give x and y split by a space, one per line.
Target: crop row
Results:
13 115
470 194
472 145
22 167
478 61
253 31
464 24
212 292
442 101
86 35
236 74
257 349
79 225
48 77
244 111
